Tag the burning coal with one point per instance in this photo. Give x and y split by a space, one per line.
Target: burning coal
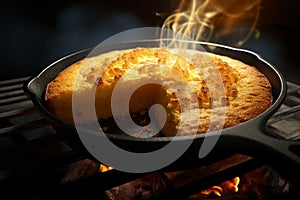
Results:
226 187
104 168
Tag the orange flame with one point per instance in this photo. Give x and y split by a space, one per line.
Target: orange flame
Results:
230 22
226 187
104 168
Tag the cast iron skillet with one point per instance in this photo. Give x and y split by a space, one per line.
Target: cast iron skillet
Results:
248 138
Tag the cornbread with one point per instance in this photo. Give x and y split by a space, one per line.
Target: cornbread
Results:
216 82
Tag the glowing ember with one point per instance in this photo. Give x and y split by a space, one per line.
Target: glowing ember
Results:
231 21
226 187
217 190
104 168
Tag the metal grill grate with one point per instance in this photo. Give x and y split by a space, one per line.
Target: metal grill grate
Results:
31 152
30 148
286 122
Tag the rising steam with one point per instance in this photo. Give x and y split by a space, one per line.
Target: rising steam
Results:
229 22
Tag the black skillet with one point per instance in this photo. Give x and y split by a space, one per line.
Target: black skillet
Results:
248 138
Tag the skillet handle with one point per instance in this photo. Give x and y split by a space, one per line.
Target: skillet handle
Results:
32 88
252 139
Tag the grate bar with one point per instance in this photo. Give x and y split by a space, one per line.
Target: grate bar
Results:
11 88
12 100
23 127
285 124
13 93
284 114
16 105
18 112
13 81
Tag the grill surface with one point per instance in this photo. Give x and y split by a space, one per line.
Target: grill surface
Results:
32 153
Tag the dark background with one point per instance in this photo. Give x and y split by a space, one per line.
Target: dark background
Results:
36 33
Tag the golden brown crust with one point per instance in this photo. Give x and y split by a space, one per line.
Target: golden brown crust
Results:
254 93
81 77
244 92
59 93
